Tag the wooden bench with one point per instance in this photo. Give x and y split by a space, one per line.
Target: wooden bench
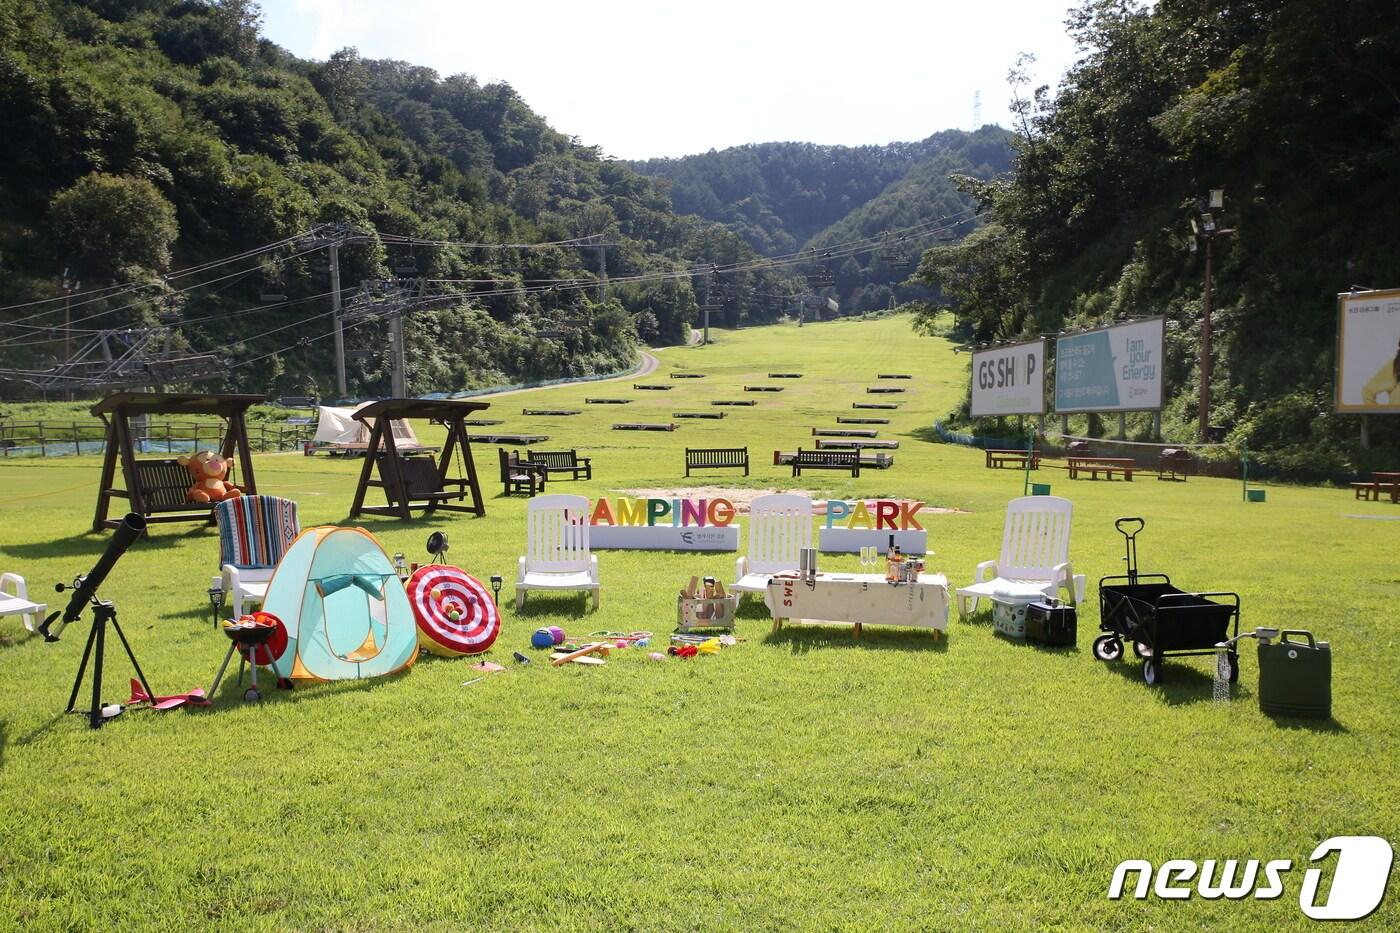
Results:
716 458
846 460
881 406
784 375
733 402
562 461
608 401
763 388
1105 465
877 461
521 475
840 420
550 411
164 485
884 390
700 414
652 388
893 376
1380 483
844 432
998 458
482 422
524 440
643 426
687 375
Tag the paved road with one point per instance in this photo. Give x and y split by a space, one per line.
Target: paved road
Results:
649 364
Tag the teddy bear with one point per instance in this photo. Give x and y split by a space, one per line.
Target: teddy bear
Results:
208 470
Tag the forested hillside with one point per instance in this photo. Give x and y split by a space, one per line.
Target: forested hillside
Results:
1293 108
142 139
786 197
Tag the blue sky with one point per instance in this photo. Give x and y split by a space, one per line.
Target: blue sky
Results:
655 79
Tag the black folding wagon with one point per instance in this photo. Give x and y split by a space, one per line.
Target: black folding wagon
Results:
1159 620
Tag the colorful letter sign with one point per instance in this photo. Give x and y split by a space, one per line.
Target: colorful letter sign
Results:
851 526
664 524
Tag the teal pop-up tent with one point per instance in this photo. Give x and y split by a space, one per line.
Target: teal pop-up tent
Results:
344 609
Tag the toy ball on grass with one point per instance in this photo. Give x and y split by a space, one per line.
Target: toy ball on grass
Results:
543 638
557 634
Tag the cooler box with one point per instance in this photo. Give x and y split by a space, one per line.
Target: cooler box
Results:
1009 614
1295 677
1049 623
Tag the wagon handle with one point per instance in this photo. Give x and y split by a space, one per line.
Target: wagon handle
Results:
1131 537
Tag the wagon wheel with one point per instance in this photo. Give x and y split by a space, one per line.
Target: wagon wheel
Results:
1142 649
1152 671
1108 648
1232 658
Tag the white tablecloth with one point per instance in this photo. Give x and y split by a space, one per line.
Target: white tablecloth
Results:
863 598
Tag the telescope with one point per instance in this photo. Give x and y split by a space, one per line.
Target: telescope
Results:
104 613
84 587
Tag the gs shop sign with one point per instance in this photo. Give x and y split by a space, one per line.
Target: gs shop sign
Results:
1009 380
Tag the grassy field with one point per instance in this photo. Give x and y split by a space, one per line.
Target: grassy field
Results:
798 780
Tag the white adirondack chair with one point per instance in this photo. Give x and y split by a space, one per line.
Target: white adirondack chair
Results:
556 548
779 526
1034 558
17 601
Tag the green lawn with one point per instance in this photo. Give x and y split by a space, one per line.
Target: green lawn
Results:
798 780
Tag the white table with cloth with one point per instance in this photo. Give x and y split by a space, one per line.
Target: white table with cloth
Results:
861 599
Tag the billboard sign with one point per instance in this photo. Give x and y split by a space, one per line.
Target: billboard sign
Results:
1116 368
1368 352
1009 380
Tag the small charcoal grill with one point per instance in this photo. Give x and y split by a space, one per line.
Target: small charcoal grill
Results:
1160 620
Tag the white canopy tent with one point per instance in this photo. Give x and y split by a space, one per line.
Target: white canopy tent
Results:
337 428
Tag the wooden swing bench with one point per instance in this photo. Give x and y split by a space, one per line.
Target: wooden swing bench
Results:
418 482
157 488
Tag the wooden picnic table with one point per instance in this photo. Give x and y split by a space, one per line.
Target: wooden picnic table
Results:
1017 458
1105 465
1381 481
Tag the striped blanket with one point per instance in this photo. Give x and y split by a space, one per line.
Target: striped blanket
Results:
255 531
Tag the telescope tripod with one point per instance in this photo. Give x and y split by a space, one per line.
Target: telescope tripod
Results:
103 614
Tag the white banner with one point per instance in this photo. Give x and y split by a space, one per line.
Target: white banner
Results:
1368 352
1116 368
1009 380
664 538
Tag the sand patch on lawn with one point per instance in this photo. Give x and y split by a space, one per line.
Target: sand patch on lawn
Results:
743 498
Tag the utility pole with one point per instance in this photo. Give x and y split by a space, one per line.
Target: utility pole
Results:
602 270
397 387
1205 230
69 287
334 257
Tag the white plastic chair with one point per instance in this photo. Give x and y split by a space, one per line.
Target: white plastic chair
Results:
1034 560
556 548
254 533
779 526
18 602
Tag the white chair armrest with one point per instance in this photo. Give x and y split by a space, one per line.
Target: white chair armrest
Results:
593 568
1062 578
983 575
229 573
741 568
15 580
520 571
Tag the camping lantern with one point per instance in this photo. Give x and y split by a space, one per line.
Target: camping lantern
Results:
496 583
216 601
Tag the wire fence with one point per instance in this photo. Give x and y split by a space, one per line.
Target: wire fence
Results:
74 438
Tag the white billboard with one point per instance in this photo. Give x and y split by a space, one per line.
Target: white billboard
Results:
1117 368
1009 380
1368 352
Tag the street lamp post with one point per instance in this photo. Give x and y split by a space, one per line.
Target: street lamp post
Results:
1206 230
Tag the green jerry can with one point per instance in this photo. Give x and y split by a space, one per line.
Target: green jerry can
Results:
1295 677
